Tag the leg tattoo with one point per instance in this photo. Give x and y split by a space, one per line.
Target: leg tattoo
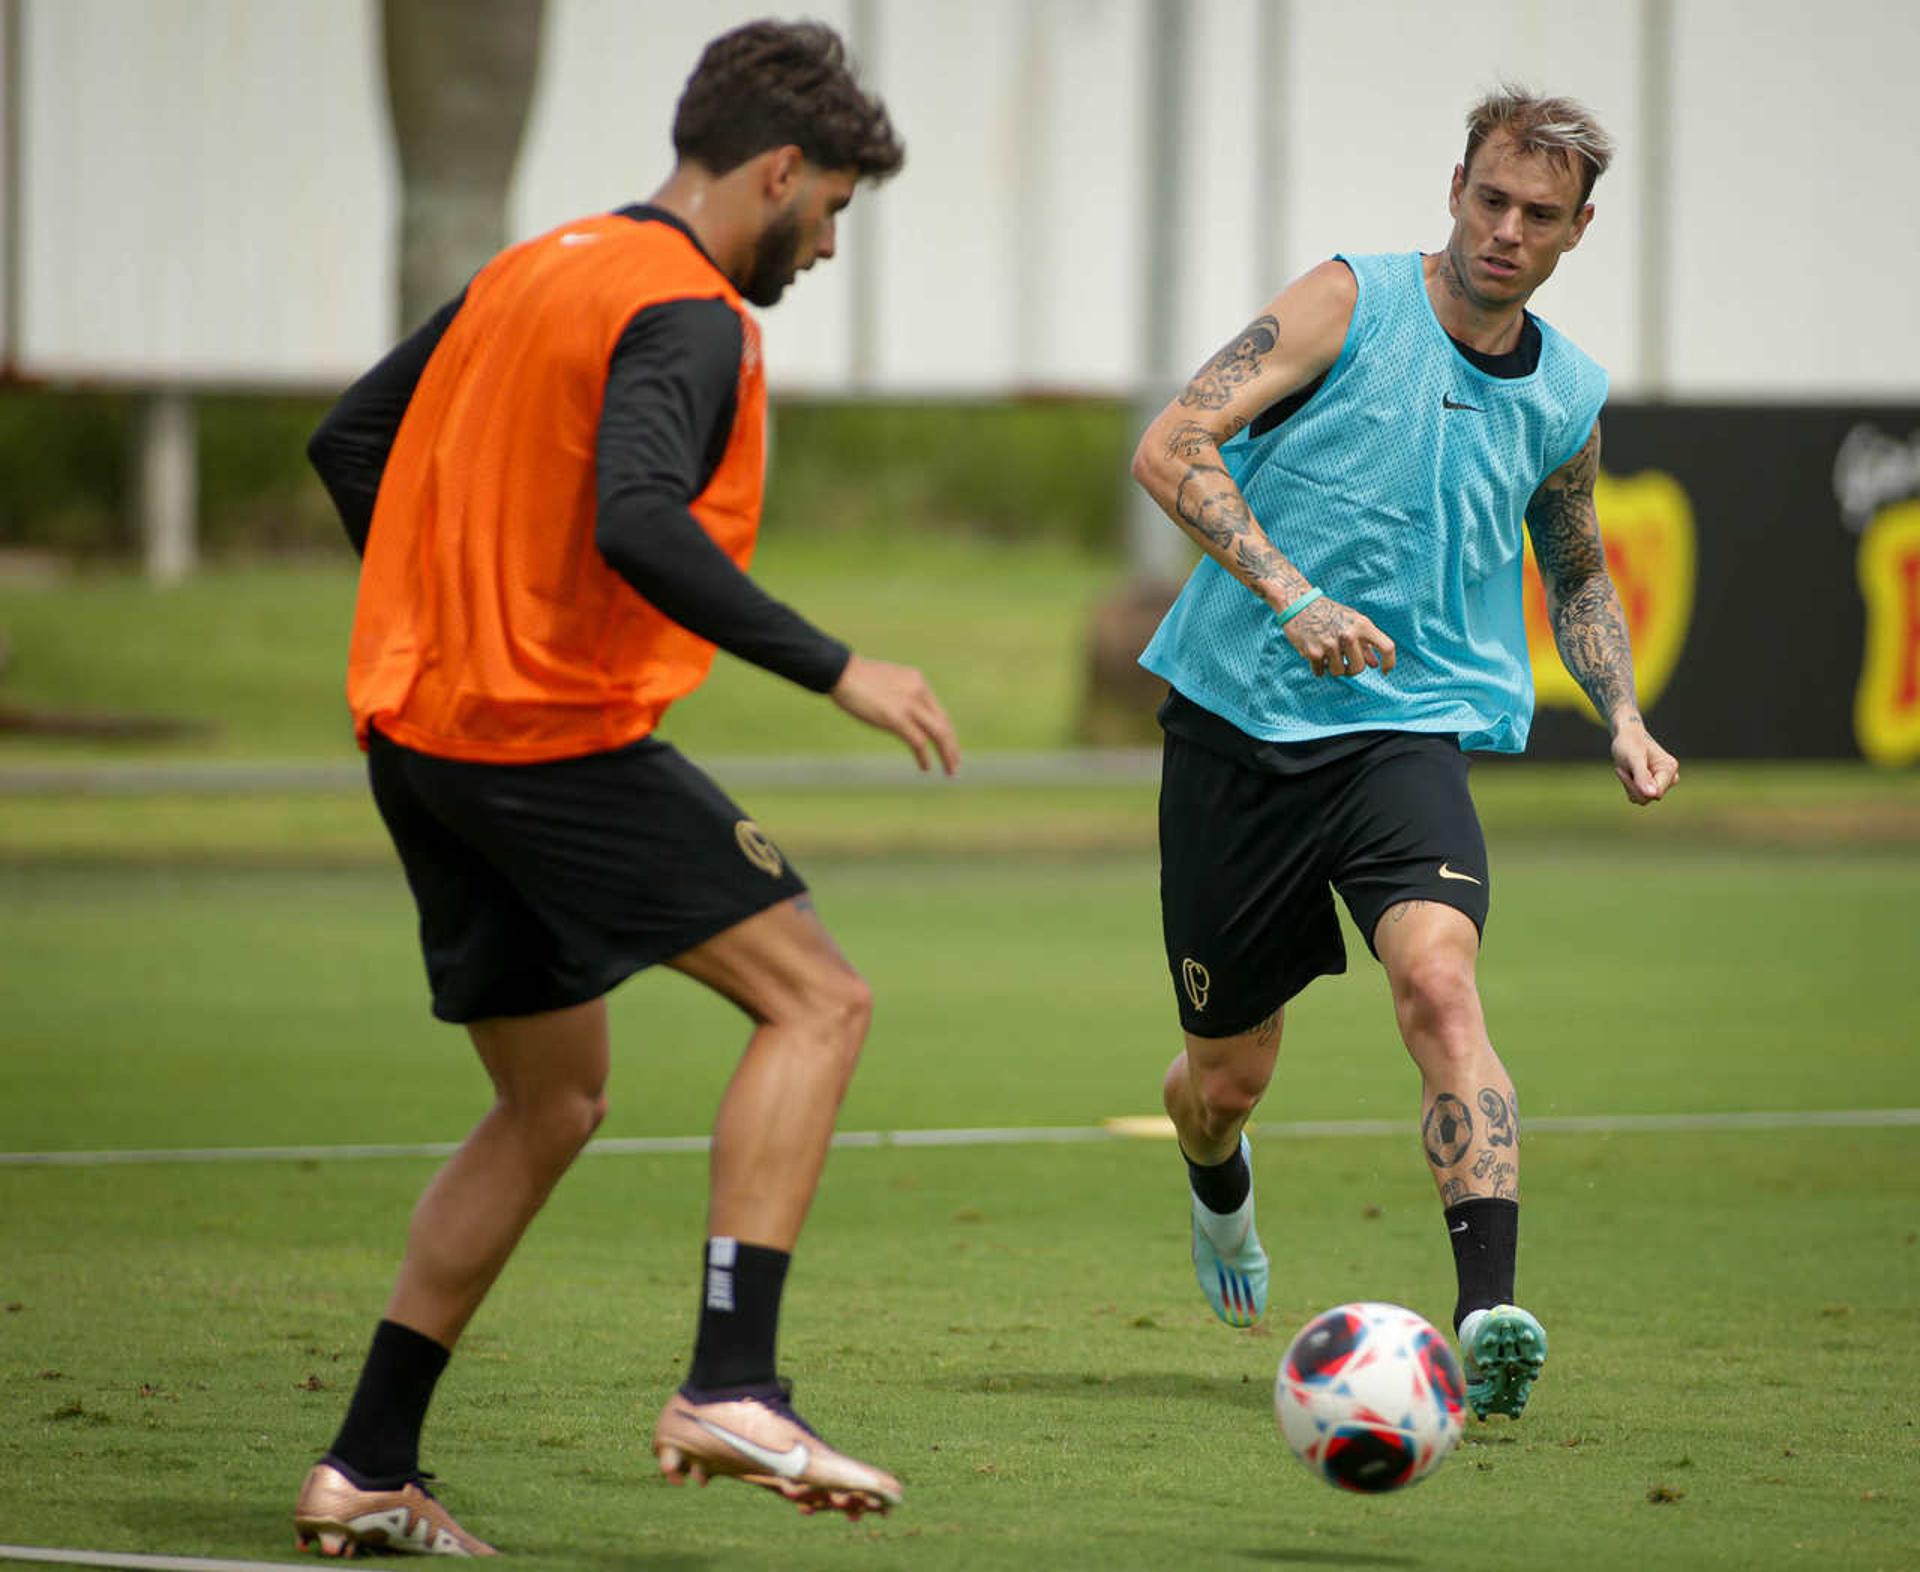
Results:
1474 1158
1502 1126
1447 1130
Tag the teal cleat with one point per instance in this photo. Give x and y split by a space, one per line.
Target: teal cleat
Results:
1228 1262
1502 1350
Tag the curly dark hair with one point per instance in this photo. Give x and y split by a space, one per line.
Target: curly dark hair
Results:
768 84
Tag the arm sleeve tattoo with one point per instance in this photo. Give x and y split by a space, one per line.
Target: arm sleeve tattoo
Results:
1213 384
1589 625
1205 499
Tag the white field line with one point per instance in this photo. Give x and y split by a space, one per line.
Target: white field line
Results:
1329 1129
115 1558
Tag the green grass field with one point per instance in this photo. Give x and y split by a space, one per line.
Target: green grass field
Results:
1735 1312
251 658
1012 1328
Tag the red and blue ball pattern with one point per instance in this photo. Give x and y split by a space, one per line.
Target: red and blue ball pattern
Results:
1370 1397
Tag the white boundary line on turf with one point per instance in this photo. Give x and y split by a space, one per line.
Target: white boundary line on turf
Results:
1328 1129
114 1558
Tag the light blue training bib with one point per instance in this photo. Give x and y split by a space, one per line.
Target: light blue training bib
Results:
1400 489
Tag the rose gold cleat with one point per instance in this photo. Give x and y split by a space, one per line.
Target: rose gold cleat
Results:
763 1442
340 1519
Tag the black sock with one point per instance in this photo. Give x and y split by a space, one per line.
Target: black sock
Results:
1221 1187
739 1315
1485 1235
379 1441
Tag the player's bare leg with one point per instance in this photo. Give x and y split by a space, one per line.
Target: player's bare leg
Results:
1210 1090
549 1075
1467 1117
1214 1084
1470 1130
810 1011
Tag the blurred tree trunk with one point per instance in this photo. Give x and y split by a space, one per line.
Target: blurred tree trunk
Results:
1121 698
460 79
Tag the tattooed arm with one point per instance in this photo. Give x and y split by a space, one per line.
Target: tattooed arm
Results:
1178 462
1588 623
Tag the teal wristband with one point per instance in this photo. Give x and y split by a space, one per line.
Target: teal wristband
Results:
1300 605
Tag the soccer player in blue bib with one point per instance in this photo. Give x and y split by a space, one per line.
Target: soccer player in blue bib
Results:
1358 465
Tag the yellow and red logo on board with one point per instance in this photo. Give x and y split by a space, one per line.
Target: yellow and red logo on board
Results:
1647 523
1886 705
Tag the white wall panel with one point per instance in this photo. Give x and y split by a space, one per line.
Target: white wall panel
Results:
949 250
7 108
1223 207
208 191
1797 200
1080 200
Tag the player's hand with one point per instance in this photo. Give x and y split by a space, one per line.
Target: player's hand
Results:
897 699
1336 641
1646 769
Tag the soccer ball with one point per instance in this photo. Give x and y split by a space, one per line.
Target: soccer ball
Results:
1370 1397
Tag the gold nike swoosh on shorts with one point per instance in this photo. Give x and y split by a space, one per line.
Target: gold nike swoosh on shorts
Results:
1448 873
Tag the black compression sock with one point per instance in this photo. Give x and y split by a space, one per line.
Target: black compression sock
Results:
1485 1235
1221 1187
379 1440
739 1315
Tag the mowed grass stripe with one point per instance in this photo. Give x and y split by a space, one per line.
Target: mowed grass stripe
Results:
183 1009
1324 1129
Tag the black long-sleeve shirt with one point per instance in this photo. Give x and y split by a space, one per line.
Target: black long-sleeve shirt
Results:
665 420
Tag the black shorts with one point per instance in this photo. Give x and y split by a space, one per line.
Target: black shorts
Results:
544 885
1250 844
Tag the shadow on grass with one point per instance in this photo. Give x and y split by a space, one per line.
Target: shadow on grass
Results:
1159 1386
219 1529
181 1526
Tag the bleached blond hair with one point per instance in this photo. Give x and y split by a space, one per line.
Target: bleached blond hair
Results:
1562 128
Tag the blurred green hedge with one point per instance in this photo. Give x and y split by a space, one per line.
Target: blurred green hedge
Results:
1052 469
1048 469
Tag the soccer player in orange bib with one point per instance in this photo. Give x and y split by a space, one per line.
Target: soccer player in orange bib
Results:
556 484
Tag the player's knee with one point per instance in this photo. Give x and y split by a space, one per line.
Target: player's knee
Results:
850 1007
575 1119
836 1008
1436 999
1228 1094
559 1124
